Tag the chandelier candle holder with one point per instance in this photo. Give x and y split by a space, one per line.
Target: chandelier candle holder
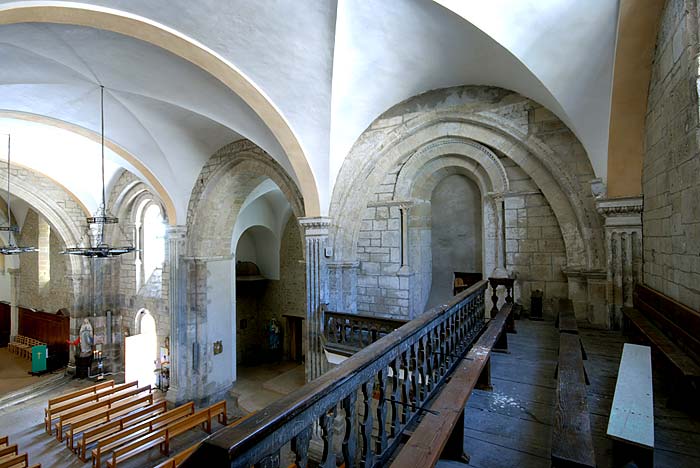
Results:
11 248
102 217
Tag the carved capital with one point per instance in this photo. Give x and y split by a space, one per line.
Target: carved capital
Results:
621 212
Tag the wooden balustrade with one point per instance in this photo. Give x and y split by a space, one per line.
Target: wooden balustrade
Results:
377 393
348 333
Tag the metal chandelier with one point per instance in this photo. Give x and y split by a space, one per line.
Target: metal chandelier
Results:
11 248
102 218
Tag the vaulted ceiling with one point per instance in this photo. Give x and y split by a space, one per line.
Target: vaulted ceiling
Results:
300 79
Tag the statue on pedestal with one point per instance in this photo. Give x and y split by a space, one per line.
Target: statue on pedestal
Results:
85 338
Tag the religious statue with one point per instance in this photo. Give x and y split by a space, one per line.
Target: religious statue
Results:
85 337
274 335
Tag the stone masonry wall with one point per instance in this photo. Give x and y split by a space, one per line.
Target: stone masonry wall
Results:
671 171
54 294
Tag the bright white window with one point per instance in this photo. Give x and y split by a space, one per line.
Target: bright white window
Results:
153 240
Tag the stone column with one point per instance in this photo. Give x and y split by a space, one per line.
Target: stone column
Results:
315 235
176 237
623 241
497 226
14 301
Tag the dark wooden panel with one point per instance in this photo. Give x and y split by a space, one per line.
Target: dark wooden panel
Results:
52 329
679 322
5 327
572 443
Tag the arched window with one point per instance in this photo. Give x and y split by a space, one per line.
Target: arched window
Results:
153 240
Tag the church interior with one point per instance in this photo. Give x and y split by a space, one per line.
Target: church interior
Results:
340 233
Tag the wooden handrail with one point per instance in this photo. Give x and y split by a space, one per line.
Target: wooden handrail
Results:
401 371
352 332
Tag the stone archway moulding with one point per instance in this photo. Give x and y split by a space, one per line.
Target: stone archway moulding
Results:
67 224
231 174
187 48
531 154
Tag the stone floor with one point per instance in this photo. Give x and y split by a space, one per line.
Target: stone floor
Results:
511 425
259 386
14 373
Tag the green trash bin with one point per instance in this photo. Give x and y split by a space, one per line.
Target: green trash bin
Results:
39 358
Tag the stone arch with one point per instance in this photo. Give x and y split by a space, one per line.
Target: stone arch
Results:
187 48
576 216
225 182
59 207
468 157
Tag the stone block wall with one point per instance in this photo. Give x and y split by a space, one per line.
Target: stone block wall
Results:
54 292
380 289
671 171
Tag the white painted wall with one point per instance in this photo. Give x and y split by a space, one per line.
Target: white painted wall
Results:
221 320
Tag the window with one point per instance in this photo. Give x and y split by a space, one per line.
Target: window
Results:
153 240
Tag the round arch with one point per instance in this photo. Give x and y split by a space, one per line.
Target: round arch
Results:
235 171
578 224
187 48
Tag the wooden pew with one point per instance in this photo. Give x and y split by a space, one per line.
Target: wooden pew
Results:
572 443
100 394
163 437
70 396
203 417
78 414
122 407
93 435
440 434
3 441
8 452
131 433
16 461
177 460
673 331
631 423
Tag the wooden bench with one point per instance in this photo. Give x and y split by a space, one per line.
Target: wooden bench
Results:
572 443
4 441
440 434
180 457
631 423
8 452
22 346
81 413
50 408
16 461
123 407
83 400
673 332
203 417
131 433
93 435
163 437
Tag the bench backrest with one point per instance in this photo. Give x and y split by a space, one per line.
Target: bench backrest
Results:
679 322
116 425
163 419
18 461
188 423
99 395
107 403
12 449
77 393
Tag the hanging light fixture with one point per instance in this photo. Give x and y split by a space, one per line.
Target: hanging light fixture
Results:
9 228
102 217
